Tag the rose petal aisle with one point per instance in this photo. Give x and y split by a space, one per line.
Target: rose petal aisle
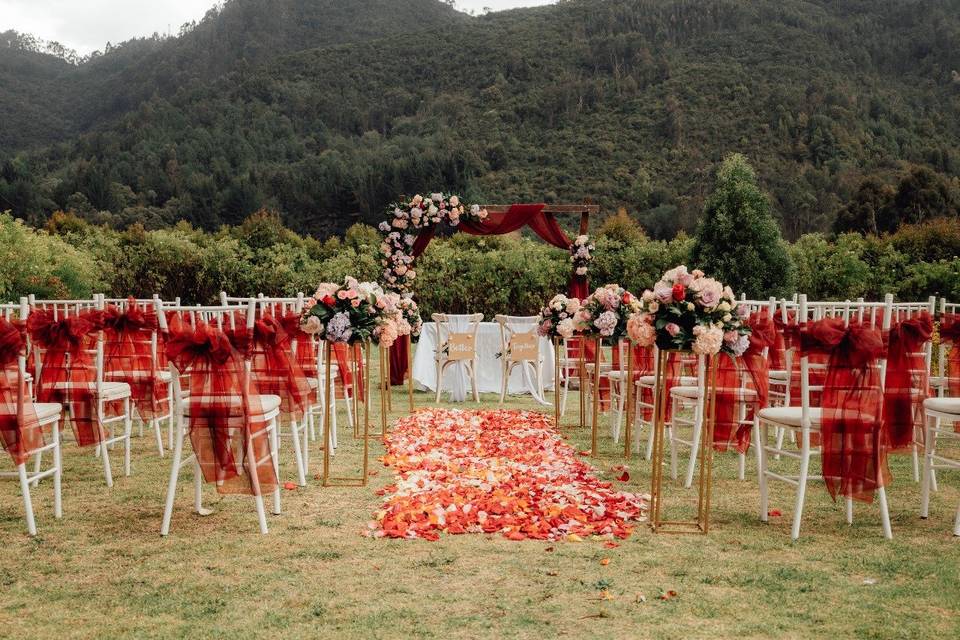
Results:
495 471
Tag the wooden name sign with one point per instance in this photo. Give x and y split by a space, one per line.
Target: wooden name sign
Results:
524 346
460 347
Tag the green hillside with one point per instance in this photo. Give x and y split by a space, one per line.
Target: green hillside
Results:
628 102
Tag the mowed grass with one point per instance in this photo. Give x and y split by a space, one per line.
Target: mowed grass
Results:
103 571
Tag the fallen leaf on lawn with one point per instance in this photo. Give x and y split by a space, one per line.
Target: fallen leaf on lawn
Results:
667 595
611 545
553 573
585 452
548 549
373 473
606 595
604 561
574 538
774 513
289 486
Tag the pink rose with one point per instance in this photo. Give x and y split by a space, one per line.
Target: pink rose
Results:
672 328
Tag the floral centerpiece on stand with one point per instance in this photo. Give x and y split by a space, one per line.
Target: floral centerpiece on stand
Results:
556 319
351 312
581 254
404 220
605 312
410 322
688 311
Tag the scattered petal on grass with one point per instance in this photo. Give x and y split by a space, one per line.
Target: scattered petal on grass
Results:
870 581
606 595
611 545
640 598
504 471
604 561
774 513
289 486
668 595
548 549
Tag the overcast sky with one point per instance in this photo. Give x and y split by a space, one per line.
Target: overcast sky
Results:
86 25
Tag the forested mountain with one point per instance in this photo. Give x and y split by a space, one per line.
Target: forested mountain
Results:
328 110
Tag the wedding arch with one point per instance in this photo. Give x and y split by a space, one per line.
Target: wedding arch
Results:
413 225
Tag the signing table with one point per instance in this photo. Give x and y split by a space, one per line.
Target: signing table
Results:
489 366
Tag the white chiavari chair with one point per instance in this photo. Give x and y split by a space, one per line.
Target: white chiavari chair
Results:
223 317
47 416
570 370
806 420
645 400
941 414
456 340
104 393
520 347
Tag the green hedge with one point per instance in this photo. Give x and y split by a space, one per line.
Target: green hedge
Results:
459 273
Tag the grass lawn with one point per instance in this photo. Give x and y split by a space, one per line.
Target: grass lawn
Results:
104 571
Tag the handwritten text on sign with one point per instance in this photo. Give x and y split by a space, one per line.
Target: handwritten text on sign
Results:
460 347
524 346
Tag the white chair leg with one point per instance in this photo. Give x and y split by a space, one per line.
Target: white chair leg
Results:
159 436
956 522
673 450
305 445
27 502
762 474
781 432
927 472
37 465
915 459
884 513
504 378
333 416
619 415
172 483
473 380
439 378
650 428
801 485
105 457
58 474
563 392
274 427
694 446
298 452
848 508
741 466
198 490
127 435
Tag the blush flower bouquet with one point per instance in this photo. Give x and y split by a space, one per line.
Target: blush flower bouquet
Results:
689 311
605 312
351 312
410 322
556 319
405 218
581 254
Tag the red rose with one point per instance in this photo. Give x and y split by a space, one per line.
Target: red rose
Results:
679 292
627 297
329 300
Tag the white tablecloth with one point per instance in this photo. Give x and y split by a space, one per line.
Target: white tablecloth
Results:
489 366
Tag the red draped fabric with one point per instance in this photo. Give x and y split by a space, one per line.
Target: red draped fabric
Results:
853 454
20 432
736 399
129 357
589 354
907 381
226 441
950 335
68 373
517 216
273 368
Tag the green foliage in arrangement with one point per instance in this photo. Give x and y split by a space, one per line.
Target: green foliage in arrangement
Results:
738 241
327 110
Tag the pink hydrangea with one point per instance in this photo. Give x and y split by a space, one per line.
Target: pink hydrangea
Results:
640 330
709 340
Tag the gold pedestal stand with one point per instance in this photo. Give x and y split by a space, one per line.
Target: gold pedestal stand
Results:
329 394
556 381
705 479
410 371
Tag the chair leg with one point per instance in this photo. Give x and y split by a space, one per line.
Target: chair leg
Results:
127 435
473 381
333 416
439 378
305 446
695 445
915 459
298 453
565 381
671 438
27 502
801 485
156 430
37 465
927 472
172 483
198 490
618 420
58 474
956 522
884 513
274 427
848 508
105 457
504 378
762 474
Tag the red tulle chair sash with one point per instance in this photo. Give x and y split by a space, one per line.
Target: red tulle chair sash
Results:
853 453
225 438
68 373
274 368
907 381
20 432
130 357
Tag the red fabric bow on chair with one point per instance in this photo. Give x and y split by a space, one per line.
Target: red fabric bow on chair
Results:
68 374
729 430
907 381
950 334
130 358
20 431
220 411
853 455
274 369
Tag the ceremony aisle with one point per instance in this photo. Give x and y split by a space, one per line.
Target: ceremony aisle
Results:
505 471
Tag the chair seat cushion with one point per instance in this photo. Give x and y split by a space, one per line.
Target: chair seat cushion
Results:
265 403
693 392
778 374
790 416
47 410
313 382
649 381
943 405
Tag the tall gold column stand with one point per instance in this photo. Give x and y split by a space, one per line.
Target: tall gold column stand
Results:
387 368
595 382
384 391
410 370
628 392
382 386
581 342
330 394
556 381
705 479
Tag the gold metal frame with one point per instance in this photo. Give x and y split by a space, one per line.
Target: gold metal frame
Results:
705 477
329 392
